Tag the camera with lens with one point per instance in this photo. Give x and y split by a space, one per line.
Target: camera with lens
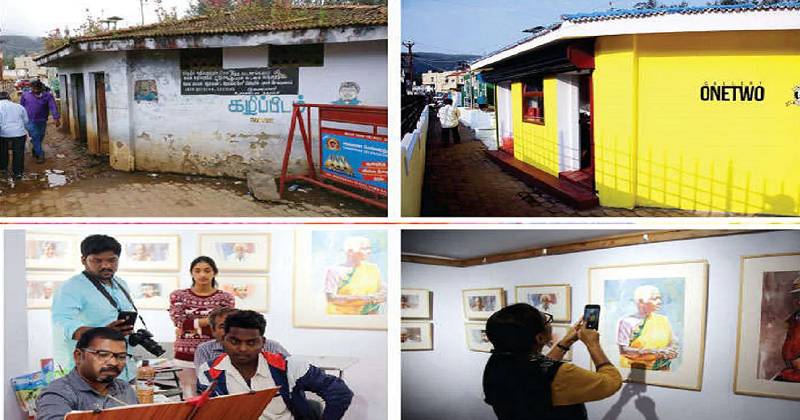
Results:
145 339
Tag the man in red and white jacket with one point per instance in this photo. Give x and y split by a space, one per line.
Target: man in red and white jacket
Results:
245 367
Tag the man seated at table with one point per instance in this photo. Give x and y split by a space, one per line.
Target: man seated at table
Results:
212 349
100 355
245 367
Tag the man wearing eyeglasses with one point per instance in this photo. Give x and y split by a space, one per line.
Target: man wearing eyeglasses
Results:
100 356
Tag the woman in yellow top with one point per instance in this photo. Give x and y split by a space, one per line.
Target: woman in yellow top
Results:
355 287
521 383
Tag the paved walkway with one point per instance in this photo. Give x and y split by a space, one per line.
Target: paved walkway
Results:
93 189
460 181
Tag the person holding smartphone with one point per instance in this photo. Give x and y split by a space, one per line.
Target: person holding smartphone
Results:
520 382
80 305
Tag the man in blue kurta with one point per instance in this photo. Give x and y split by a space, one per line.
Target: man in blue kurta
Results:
78 305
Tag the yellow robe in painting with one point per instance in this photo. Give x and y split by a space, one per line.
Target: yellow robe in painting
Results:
655 332
363 280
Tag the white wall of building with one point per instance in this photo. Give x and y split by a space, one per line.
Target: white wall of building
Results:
199 134
367 378
446 383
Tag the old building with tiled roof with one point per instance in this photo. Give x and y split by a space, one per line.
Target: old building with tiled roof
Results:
213 95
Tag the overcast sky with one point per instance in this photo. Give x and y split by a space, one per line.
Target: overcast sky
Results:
481 26
37 17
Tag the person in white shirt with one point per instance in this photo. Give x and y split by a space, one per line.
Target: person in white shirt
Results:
245 366
448 116
13 119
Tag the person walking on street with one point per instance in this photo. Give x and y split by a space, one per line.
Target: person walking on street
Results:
448 116
13 119
39 104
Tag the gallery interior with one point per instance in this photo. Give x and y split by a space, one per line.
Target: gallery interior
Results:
729 298
260 265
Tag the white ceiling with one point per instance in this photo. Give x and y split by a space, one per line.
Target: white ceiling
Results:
461 244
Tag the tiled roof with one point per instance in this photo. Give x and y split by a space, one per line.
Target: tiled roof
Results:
266 20
578 18
689 10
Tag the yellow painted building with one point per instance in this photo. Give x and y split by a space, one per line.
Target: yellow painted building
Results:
693 118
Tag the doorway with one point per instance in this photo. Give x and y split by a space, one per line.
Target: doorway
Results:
79 105
576 142
505 122
64 102
98 145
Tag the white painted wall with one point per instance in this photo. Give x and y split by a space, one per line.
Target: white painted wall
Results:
15 340
118 111
367 378
197 134
569 141
446 383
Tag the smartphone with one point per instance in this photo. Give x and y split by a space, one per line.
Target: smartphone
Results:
128 317
591 316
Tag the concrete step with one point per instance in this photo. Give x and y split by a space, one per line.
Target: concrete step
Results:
573 194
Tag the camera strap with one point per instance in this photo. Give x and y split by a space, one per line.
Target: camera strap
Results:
110 298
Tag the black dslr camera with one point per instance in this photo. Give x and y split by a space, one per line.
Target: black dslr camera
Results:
145 339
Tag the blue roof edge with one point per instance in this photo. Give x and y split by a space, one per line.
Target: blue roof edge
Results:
676 10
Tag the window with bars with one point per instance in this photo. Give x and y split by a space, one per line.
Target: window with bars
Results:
201 59
306 55
533 101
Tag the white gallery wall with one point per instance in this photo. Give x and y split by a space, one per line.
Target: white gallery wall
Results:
367 378
446 383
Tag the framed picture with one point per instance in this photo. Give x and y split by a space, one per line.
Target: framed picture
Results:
149 252
559 332
51 251
415 304
476 337
767 347
555 299
653 320
237 251
416 336
340 279
482 303
249 291
150 291
41 286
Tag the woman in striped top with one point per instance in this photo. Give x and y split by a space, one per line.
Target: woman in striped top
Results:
189 309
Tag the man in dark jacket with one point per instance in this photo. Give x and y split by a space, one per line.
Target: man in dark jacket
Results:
245 367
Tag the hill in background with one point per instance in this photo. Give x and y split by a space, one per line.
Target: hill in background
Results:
17 45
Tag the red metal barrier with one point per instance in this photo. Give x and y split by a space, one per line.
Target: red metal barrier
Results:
360 139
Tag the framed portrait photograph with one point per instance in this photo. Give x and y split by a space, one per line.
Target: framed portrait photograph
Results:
652 320
559 332
415 304
150 291
555 299
51 251
416 336
249 291
340 279
41 286
482 303
237 251
476 337
768 343
149 252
